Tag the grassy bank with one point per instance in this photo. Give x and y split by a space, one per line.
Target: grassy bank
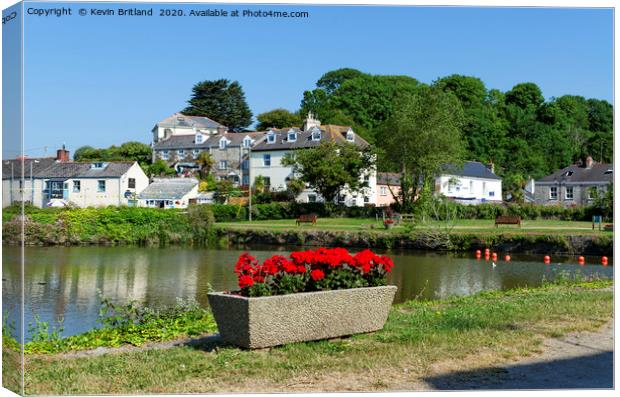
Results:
485 328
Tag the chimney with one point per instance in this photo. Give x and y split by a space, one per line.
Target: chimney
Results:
589 162
491 167
62 155
310 122
222 130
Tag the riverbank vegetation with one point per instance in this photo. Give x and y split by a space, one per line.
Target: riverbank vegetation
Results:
485 328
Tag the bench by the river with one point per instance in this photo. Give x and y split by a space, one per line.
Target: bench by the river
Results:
405 218
309 218
508 220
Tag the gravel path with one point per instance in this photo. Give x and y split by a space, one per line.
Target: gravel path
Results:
582 360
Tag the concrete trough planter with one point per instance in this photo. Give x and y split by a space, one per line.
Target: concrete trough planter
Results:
276 320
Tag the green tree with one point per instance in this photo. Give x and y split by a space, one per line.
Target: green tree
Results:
422 135
222 101
158 168
278 118
331 81
295 187
525 95
128 151
330 167
205 161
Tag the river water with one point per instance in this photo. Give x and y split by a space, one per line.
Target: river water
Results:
67 282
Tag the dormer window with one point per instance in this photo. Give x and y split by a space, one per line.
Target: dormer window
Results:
609 172
223 143
98 166
569 173
350 136
271 137
316 134
198 138
247 142
292 136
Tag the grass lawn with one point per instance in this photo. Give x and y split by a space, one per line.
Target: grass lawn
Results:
466 225
482 330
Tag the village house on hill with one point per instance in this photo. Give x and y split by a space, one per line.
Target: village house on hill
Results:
274 144
57 181
578 184
179 140
169 193
470 183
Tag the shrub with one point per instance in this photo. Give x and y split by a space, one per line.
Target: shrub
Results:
313 270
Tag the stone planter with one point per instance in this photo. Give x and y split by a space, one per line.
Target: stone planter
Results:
276 320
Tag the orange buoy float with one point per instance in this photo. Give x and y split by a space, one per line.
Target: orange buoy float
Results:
547 259
494 256
604 261
582 260
507 258
487 251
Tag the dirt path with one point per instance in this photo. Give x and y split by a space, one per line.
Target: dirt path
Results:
582 360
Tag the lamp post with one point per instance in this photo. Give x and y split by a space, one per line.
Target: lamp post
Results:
250 182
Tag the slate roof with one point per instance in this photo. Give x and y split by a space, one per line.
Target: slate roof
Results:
329 132
471 169
38 164
598 173
50 168
181 120
187 141
168 188
388 178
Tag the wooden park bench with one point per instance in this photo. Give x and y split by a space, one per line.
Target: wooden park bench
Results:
508 220
609 227
309 218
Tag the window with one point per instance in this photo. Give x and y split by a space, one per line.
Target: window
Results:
181 154
271 138
131 183
98 165
223 164
101 185
198 138
292 136
471 186
367 178
383 191
196 153
223 143
366 199
350 136
245 164
491 194
312 198
569 173
341 198
568 193
316 134
553 193
267 182
267 160
608 172
164 155
77 186
246 180
247 142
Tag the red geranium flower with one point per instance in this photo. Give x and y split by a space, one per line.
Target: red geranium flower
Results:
317 274
245 281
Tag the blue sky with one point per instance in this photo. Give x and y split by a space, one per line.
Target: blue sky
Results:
106 80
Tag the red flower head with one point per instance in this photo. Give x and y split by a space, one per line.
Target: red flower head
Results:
245 281
317 274
301 269
246 264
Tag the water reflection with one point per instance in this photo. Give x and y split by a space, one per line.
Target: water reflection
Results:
67 281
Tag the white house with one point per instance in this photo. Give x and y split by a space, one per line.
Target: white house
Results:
268 152
169 193
472 183
59 182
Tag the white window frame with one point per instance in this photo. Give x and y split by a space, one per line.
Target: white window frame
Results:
247 142
223 143
222 165
316 134
99 190
181 154
383 191
196 152
271 138
350 136
572 193
77 184
553 196
164 155
292 134
198 138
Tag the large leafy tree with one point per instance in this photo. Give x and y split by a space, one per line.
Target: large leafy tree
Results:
222 101
330 167
128 151
278 118
420 137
